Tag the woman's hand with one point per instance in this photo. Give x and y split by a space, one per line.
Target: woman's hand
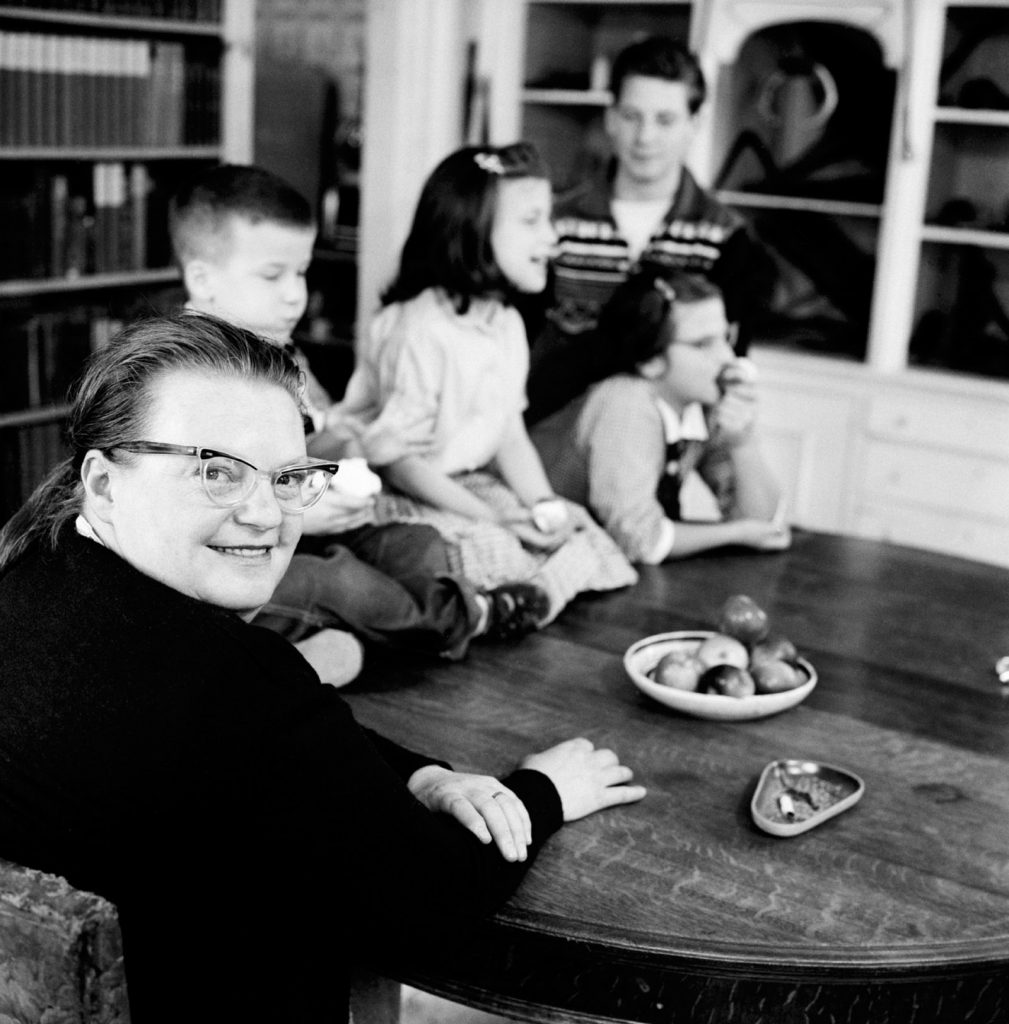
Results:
587 779
337 513
479 803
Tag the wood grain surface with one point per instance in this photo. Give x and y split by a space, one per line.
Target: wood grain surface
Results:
679 908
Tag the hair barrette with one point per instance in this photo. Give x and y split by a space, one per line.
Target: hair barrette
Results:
665 289
489 162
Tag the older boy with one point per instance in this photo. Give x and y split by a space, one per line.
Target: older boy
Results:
676 400
244 239
649 211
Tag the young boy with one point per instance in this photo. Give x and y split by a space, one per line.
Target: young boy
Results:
243 238
675 400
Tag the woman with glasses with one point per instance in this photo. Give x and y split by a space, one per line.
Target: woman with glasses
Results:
675 399
159 750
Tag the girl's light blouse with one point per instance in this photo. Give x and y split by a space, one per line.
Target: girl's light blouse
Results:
437 384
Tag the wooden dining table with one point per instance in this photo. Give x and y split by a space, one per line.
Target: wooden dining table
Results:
679 908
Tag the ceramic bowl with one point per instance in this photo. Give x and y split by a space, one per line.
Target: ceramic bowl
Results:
642 657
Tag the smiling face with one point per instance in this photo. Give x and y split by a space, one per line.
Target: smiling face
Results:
152 509
523 236
695 359
255 276
650 128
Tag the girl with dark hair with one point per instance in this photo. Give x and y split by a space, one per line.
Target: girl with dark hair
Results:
675 400
436 400
157 749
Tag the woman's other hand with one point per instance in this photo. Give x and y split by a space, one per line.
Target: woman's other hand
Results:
480 803
588 779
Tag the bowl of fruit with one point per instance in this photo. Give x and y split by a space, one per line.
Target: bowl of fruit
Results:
739 671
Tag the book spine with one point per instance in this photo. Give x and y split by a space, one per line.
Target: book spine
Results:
123 213
58 199
139 189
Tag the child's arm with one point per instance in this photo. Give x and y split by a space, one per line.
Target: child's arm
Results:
416 476
520 466
522 470
755 494
693 538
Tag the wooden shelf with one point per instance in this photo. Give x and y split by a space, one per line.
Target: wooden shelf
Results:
802 204
962 115
567 97
83 19
965 236
603 3
96 153
33 417
87 282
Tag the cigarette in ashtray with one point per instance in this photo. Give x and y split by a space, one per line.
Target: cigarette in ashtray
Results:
355 480
787 806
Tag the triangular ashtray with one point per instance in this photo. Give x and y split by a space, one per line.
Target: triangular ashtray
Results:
794 796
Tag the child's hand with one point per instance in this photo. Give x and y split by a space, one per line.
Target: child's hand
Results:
763 535
544 527
736 411
587 779
478 802
336 512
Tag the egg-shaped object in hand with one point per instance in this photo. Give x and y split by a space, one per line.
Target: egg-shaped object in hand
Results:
355 479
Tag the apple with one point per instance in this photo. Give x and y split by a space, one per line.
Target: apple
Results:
720 649
775 676
744 619
728 680
679 669
774 648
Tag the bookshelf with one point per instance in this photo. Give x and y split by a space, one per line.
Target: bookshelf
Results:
105 107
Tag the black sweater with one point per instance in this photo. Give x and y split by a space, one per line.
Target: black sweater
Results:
192 769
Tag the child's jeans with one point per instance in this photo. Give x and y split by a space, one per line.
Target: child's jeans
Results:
388 584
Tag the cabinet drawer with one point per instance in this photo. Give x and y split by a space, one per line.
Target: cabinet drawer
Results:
949 532
971 485
977 426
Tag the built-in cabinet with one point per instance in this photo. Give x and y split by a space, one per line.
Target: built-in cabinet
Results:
105 107
886 396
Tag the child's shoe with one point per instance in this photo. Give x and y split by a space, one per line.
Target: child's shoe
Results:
515 609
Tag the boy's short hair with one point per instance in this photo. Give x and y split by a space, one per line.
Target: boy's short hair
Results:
635 324
660 57
198 213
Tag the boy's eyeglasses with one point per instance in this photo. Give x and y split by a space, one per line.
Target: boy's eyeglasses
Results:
229 480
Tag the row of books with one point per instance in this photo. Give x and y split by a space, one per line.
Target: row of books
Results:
63 90
41 355
106 218
176 10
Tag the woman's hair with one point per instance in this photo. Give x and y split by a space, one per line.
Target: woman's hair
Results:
660 57
111 400
636 324
449 245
